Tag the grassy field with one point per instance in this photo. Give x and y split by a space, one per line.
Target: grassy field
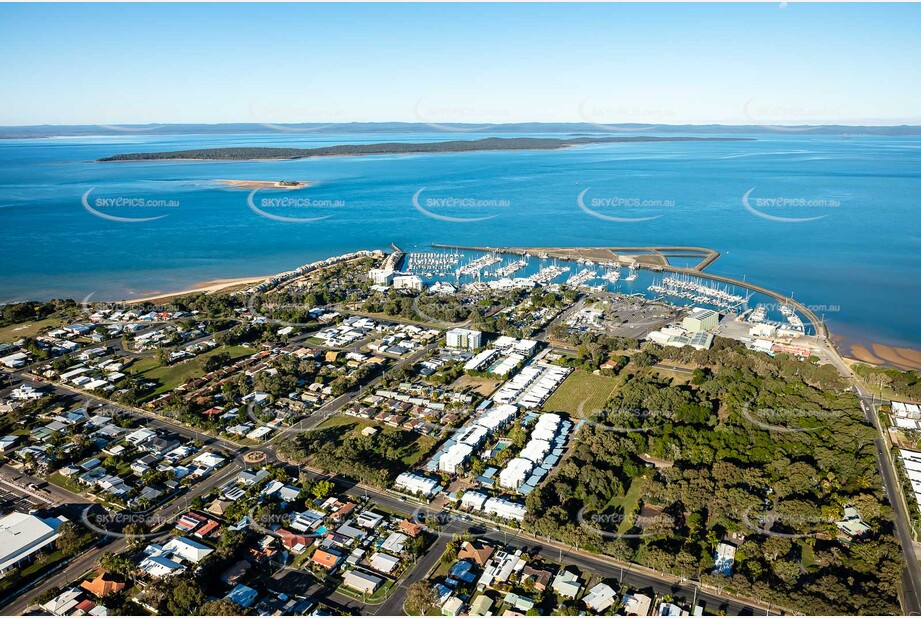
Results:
415 447
143 364
677 377
13 332
169 377
581 386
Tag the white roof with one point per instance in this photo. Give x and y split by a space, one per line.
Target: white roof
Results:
474 500
384 563
515 472
505 508
21 535
394 542
158 566
600 597
187 549
208 459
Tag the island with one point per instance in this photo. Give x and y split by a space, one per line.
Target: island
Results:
252 153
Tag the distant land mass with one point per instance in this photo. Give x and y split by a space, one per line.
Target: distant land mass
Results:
347 150
369 128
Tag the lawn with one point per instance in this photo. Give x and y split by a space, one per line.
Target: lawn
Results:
13 332
626 503
581 394
171 376
67 483
807 555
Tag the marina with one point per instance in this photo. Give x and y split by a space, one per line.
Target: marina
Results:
681 287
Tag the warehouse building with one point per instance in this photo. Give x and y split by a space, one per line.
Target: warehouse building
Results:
700 320
22 536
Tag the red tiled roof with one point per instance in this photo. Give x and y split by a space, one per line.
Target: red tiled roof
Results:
85 605
325 558
208 528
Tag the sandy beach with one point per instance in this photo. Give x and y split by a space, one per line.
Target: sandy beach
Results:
207 287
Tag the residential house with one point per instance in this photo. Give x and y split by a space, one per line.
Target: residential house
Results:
326 558
476 551
359 581
103 584
567 584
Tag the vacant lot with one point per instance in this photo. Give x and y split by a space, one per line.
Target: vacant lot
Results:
581 391
171 376
14 332
483 386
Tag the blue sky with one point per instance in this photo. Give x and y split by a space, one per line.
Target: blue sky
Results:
602 63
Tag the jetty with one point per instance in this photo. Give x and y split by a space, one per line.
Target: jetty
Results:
656 259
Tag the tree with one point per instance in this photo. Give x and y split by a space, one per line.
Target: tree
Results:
69 539
222 607
322 489
421 599
184 597
118 564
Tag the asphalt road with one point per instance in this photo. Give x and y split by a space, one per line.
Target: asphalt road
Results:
631 574
393 606
911 574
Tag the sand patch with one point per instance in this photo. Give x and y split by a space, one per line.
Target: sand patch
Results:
895 357
266 184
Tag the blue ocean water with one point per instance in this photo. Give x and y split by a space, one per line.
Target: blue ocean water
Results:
853 254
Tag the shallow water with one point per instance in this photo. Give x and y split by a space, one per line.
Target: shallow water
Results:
857 264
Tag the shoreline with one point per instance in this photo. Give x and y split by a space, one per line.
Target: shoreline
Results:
207 287
881 355
851 349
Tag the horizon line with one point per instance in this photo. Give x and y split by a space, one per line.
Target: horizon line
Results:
842 123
